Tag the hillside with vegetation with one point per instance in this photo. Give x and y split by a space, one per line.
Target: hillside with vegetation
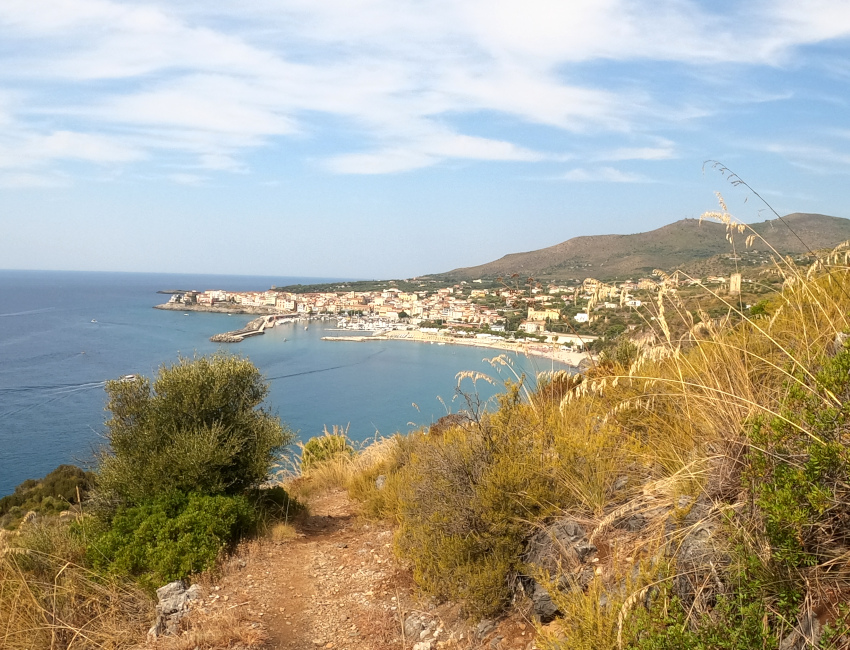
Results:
688 489
682 244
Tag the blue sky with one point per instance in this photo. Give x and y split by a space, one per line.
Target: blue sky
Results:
392 138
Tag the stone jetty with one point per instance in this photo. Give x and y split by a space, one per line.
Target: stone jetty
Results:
253 328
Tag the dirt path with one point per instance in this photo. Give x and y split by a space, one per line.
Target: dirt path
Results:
337 585
333 586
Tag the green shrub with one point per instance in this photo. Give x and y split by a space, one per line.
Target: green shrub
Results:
168 538
467 500
325 447
377 503
198 428
734 624
52 494
799 468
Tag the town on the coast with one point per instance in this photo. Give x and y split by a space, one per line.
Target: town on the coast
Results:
565 320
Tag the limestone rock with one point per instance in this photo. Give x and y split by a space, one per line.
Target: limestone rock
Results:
485 627
633 523
699 557
559 550
173 603
805 635
413 626
449 421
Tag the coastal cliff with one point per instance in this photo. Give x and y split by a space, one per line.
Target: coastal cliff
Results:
220 308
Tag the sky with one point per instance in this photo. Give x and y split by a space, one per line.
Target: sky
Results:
395 138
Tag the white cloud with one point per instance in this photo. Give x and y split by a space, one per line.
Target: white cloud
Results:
187 179
23 150
665 152
82 146
603 175
416 155
388 161
221 105
816 158
113 82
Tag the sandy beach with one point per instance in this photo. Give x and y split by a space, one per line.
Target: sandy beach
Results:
536 349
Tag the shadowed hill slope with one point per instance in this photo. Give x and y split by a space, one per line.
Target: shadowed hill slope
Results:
673 246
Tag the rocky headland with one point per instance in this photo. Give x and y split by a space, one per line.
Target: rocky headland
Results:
219 308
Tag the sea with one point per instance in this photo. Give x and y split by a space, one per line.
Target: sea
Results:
64 334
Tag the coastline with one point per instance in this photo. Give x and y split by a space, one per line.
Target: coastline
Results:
221 308
537 349
574 359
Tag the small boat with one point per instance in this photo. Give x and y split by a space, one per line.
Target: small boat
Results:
305 328
93 320
127 378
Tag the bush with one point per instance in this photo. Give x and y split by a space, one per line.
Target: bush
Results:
170 537
274 504
468 498
799 468
52 494
198 428
325 447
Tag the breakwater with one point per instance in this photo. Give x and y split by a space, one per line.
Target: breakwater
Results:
253 328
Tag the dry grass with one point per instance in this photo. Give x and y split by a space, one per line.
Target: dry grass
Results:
220 629
49 600
673 424
282 532
341 471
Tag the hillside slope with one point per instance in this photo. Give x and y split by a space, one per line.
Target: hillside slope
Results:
676 245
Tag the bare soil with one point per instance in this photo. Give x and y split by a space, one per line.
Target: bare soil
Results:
338 585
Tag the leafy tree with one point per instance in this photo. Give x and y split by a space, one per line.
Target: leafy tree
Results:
198 427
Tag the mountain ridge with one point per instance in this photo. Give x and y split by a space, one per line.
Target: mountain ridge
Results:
675 245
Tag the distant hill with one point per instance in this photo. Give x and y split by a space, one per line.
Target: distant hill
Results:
678 245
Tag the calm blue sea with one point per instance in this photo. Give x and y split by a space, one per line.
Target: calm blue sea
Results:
62 334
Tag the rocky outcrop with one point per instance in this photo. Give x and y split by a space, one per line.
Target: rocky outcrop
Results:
562 551
218 308
450 421
225 338
700 558
174 603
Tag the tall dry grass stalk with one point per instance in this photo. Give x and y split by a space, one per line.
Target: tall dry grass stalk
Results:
341 470
50 601
672 425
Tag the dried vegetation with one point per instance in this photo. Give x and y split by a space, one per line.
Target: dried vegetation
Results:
709 470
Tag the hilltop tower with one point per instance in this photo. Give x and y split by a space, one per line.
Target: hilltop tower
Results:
735 284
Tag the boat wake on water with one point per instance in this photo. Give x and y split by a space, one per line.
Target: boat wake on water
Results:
311 372
27 312
42 395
